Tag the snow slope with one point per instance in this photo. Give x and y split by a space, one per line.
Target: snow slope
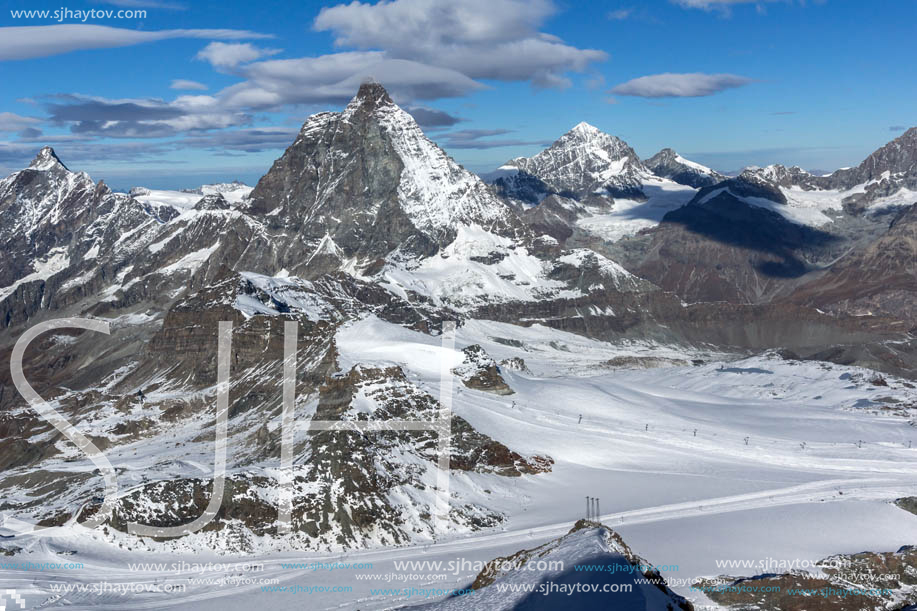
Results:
664 449
234 193
628 216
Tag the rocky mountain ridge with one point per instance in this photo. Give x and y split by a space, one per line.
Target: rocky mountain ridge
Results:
669 164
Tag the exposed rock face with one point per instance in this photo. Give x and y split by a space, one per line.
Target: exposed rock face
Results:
57 224
887 171
346 483
42 207
212 202
480 372
669 164
898 158
880 278
515 364
554 216
907 503
371 181
585 164
728 244
718 248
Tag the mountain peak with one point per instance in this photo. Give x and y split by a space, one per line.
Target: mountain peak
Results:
397 190
46 159
591 137
667 163
585 162
371 95
585 128
665 154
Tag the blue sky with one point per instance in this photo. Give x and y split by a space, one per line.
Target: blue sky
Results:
728 83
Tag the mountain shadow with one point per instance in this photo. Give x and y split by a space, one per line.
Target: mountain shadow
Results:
728 220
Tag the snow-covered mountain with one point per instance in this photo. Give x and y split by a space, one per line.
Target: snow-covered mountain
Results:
669 164
371 181
585 163
588 182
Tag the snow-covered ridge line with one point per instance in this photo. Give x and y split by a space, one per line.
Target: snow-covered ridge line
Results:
234 193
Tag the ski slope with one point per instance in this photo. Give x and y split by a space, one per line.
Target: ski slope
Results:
664 449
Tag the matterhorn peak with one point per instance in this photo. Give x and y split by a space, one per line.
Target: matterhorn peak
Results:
396 189
370 96
46 159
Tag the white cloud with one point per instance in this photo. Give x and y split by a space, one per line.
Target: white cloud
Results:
725 5
230 55
27 42
483 139
671 85
247 140
10 122
709 4
482 39
141 117
335 78
418 49
620 14
181 83
159 4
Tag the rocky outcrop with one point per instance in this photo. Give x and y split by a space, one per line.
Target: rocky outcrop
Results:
778 175
554 216
894 164
868 581
907 503
480 372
